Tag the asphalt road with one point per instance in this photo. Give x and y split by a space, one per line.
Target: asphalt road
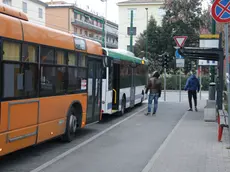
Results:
117 144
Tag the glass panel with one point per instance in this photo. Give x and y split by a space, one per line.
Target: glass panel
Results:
89 115
74 82
61 79
80 44
82 59
13 80
48 80
30 79
47 55
60 55
11 51
72 59
29 53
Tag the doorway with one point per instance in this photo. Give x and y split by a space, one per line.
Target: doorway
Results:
94 90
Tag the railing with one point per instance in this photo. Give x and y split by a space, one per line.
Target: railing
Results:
92 27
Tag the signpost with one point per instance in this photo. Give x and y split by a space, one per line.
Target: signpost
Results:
180 40
221 13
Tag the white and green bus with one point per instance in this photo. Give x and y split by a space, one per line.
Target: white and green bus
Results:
124 81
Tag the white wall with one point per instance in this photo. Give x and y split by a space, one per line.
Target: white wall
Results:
32 10
140 21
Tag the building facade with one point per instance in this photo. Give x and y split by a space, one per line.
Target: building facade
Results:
72 19
34 9
141 9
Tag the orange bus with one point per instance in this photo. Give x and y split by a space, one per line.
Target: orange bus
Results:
45 77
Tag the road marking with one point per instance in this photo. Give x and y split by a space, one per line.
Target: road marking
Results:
59 157
150 164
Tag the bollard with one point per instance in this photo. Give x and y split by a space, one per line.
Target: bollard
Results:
212 90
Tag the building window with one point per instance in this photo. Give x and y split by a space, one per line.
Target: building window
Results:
24 7
7 2
86 33
128 48
81 31
134 13
40 13
129 31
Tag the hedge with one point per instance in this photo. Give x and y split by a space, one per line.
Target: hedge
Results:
172 82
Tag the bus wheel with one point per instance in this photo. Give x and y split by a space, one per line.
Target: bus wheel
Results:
123 106
71 126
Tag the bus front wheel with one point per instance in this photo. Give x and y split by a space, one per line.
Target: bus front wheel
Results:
71 125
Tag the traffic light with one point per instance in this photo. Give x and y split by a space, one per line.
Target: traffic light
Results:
166 60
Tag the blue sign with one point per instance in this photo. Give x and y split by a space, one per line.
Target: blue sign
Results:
178 56
221 11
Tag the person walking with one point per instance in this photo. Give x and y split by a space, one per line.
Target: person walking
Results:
192 86
154 88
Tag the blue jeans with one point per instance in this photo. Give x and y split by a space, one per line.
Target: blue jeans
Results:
152 97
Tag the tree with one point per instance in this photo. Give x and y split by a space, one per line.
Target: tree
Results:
154 45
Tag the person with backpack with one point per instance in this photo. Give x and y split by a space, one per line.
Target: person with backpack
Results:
192 86
154 87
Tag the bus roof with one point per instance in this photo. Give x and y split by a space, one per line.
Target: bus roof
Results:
4 9
124 55
29 32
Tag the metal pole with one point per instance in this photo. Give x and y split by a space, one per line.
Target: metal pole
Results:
180 87
164 84
200 80
146 48
105 23
131 32
227 66
212 68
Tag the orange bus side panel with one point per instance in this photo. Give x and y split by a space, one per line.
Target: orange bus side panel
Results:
47 36
10 27
18 139
22 114
5 9
51 129
4 117
52 108
94 48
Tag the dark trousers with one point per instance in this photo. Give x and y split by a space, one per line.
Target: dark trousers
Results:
192 94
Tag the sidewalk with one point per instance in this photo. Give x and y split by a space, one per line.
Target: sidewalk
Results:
192 147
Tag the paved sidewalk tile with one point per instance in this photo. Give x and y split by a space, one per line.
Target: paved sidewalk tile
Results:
193 147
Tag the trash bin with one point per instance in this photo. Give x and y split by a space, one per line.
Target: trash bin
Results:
212 90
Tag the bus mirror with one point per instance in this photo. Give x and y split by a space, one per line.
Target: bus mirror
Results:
105 61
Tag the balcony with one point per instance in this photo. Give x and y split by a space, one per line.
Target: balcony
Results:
112 45
86 25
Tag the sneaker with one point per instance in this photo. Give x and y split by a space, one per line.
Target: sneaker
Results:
147 113
190 109
196 109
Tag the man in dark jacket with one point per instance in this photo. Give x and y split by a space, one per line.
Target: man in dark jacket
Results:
154 87
192 86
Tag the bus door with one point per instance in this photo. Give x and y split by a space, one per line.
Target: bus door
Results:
132 88
116 86
94 90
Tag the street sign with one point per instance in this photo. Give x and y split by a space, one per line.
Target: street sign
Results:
180 40
221 11
179 62
178 56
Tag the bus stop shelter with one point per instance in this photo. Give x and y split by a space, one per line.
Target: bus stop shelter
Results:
214 54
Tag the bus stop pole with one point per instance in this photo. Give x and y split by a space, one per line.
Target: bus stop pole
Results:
164 84
200 80
227 67
180 87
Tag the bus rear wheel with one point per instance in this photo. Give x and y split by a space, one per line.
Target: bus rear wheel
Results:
71 125
123 106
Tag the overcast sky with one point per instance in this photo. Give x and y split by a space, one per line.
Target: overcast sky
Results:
98 6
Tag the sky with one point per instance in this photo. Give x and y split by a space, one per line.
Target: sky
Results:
98 6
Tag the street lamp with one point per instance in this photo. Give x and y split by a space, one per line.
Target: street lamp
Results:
105 23
146 44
